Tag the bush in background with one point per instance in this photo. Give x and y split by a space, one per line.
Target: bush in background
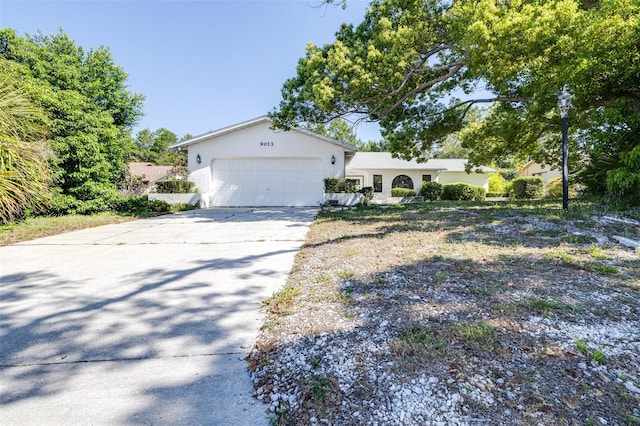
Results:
497 185
174 186
340 185
141 205
462 191
554 188
528 187
402 192
431 191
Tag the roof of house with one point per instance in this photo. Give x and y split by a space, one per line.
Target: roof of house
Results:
149 172
384 161
255 122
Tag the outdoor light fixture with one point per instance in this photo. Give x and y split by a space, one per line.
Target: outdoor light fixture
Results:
333 159
198 159
564 103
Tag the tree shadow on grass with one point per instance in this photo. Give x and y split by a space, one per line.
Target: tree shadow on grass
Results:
439 280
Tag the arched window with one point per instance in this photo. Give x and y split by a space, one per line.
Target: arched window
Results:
402 181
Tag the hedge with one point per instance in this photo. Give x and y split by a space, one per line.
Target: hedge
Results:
431 191
402 192
462 191
528 187
339 186
174 186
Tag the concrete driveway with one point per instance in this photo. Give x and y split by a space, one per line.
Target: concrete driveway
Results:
145 322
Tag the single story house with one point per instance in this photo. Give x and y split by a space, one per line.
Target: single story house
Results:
383 172
532 168
251 164
149 173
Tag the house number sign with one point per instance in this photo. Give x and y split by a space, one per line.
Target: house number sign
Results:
266 144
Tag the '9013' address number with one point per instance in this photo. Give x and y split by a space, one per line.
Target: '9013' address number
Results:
266 144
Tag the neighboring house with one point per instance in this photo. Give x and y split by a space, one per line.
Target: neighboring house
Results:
535 169
250 164
149 173
383 172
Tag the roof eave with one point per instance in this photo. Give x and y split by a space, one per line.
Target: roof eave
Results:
253 122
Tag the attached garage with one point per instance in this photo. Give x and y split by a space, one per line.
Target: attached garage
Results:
250 164
266 182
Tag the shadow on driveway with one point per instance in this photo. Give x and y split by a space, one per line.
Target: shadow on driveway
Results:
134 333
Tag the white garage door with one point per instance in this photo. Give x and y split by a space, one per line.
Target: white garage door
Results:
266 182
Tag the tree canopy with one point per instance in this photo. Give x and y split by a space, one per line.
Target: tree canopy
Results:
91 111
416 66
154 147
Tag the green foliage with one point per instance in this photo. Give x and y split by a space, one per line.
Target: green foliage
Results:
140 205
174 186
374 146
462 191
340 185
478 333
431 191
398 65
497 184
319 386
153 147
24 170
554 188
528 187
337 129
85 94
402 192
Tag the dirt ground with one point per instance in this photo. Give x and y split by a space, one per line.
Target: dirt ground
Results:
495 313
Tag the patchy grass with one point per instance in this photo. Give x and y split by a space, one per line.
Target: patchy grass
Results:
44 226
281 302
524 309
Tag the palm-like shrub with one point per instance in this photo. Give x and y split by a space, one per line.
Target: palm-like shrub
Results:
24 169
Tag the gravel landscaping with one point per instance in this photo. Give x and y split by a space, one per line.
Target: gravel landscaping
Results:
457 314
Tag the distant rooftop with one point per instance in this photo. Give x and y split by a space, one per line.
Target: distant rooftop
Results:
149 172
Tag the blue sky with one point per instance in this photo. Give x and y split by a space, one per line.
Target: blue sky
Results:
202 65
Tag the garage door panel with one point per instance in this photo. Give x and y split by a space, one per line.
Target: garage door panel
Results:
266 182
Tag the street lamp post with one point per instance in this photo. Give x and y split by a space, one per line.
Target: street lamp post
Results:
564 103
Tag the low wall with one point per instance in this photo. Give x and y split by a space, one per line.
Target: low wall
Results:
398 200
350 199
190 198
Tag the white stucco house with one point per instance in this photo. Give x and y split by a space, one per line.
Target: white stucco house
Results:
383 172
532 168
251 164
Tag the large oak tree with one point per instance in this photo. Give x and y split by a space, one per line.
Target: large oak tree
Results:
415 66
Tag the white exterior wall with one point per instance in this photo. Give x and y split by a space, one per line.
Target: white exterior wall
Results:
545 172
388 176
480 179
260 142
473 178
